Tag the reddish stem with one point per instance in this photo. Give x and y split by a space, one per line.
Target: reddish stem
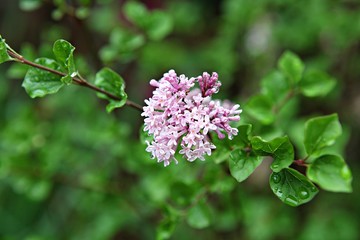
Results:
300 162
78 81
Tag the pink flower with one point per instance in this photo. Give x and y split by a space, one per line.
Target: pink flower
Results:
178 114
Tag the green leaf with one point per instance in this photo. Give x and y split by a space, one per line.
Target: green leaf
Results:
63 52
292 67
223 149
35 190
4 56
292 187
243 137
225 146
136 12
167 226
82 12
29 5
279 148
260 108
321 132
331 173
275 86
159 25
125 41
182 194
108 53
338 148
66 79
57 14
38 83
40 190
156 24
242 164
316 83
110 81
199 216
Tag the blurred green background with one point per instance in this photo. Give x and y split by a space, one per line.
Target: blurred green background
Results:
69 170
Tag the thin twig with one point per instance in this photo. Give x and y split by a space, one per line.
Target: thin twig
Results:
288 96
79 81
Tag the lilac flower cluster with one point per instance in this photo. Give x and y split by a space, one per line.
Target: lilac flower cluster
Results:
177 114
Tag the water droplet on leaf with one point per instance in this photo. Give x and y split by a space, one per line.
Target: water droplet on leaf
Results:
303 193
291 200
276 178
345 172
39 92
